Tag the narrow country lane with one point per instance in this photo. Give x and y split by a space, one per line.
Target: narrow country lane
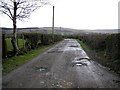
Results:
64 66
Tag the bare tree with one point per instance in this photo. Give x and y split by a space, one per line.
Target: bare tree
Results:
19 9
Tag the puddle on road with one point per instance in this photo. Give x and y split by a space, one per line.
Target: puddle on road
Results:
41 69
87 58
80 62
73 49
74 46
55 51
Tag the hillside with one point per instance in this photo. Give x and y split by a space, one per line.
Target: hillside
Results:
58 30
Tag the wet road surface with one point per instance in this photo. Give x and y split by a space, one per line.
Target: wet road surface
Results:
64 66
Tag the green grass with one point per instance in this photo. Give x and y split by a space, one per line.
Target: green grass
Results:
21 43
9 44
14 62
84 46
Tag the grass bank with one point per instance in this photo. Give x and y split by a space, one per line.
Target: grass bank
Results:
16 61
99 56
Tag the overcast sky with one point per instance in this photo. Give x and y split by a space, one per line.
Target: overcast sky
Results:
77 14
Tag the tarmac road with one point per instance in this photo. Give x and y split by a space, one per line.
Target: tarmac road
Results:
64 66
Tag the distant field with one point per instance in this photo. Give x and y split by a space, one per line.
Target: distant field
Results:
9 44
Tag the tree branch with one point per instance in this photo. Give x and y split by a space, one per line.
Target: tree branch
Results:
7 14
24 8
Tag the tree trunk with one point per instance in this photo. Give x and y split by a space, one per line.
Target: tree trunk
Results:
14 38
14 44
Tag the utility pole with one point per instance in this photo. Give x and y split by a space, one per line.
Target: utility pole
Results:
60 31
53 24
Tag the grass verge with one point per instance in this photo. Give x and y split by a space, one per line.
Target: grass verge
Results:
99 57
93 54
14 62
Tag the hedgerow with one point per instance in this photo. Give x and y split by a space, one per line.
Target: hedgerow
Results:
32 41
105 46
109 44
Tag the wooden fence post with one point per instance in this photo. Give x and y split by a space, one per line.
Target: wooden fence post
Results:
4 47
